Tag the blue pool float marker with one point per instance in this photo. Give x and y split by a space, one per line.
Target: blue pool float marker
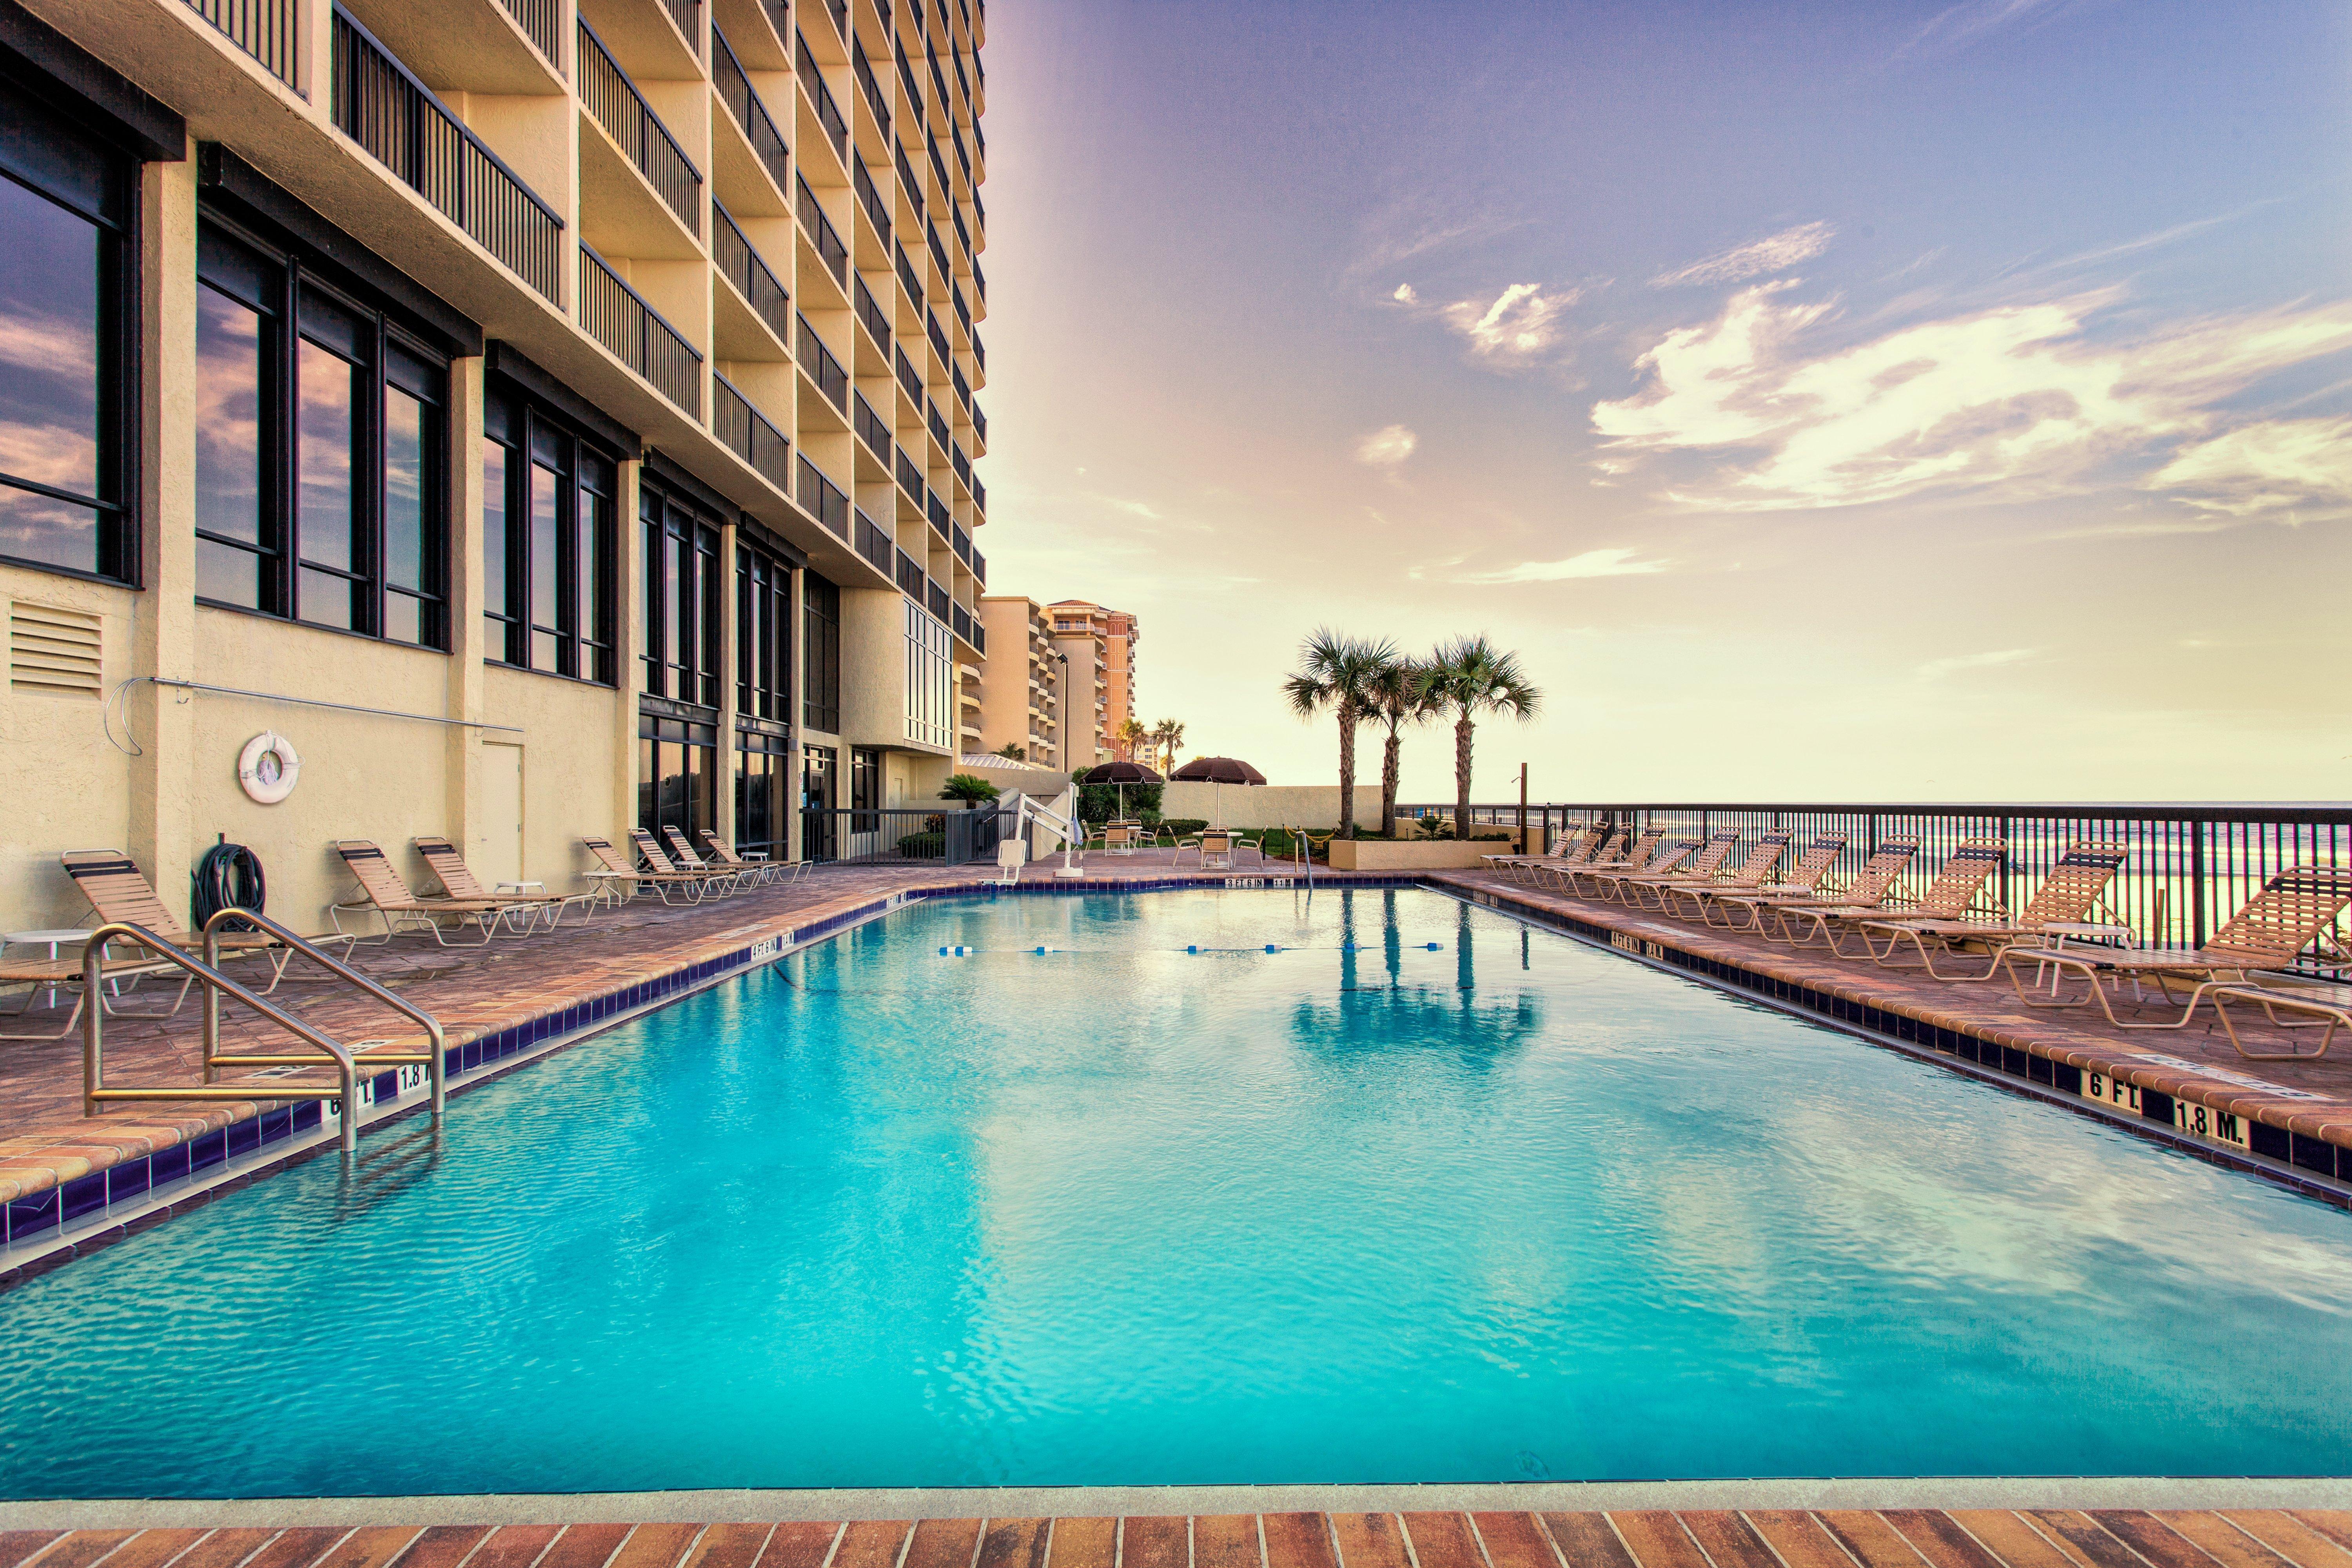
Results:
958 951
1271 948
1436 947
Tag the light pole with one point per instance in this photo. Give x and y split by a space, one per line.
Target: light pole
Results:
1062 709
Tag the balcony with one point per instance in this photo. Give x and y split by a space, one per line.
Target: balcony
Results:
378 104
873 544
938 427
746 432
821 232
688 15
980 424
870 311
618 317
872 89
871 428
909 382
907 78
750 114
910 577
906 279
961 544
962 311
961 465
615 104
935 600
822 498
963 622
839 11
269 30
938 338
869 196
962 390
908 183
938 252
963 235
909 478
979 568
978 497
828 113
937 509
822 367
740 264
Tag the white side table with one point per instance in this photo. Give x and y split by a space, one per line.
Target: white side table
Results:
68 936
521 888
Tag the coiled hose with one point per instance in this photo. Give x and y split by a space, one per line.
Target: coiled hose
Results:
229 877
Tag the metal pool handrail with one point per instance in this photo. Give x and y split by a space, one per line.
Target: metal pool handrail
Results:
437 1063
93 1015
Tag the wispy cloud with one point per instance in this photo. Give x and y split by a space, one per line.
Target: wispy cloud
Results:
1937 669
1514 326
1387 448
1957 26
1773 253
1404 295
2020 399
1610 562
2279 466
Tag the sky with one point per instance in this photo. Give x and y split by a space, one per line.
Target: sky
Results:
1883 401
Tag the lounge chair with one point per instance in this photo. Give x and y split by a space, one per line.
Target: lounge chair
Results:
458 881
63 973
1564 851
747 873
2331 1014
383 894
1611 885
1742 907
119 890
1701 870
2296 908
1633 857
1957 889
1869 891
714 878
760 871
2071 891
612 872
1599 850
1752 873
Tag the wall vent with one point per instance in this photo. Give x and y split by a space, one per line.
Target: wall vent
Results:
52 652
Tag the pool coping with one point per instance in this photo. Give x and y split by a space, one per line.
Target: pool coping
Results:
853 1503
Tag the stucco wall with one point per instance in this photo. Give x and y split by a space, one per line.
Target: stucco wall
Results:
1269 806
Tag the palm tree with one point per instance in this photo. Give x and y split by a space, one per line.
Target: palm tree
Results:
1397 695
1130 735
1167 736
1467 677
1338 675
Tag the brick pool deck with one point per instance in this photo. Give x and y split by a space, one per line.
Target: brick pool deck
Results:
1829 1538
2304 1109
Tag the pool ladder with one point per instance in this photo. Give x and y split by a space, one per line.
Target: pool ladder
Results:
205 971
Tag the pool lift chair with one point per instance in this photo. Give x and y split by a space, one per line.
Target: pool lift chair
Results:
1059 819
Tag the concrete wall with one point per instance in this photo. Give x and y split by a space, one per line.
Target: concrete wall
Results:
1269 806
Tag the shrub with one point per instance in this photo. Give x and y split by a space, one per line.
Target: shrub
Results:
1491 838
1435 827
1183 825
968 787
1100 803
923 846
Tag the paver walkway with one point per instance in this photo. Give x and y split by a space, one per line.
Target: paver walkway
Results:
1893 1537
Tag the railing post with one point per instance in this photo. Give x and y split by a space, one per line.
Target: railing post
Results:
2196 883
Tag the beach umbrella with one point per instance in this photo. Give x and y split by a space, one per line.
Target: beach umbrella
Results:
1121 773
1220 771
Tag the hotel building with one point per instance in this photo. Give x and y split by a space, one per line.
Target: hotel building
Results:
1101 646
1021 689
546 416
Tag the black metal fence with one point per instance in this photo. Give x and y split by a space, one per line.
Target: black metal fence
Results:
846 836
269 30
2187 868
618 317
622 111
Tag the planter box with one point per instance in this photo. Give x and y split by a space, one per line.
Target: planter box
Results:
1437 855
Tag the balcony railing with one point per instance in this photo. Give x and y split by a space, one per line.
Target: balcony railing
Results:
938 427
979 637
935 599
822 498
910 577
746 432
618 317
964 311
963 159
962 80
269 30
378 104
909 477
963 622
980 574
909 382
937 510
616 105
872 87
743 266
960 542
907 78
821 232
963 235
962 389
979 494
979 351
914 285
938 338
980 423
839 11
541 22
744 103
873 544
962 464
828 113
871 428
938 252
947 186
822 367
870 311
908 183
940 87
979 280
687 14
869 196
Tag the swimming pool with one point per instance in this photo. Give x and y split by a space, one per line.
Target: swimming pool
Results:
1423 1197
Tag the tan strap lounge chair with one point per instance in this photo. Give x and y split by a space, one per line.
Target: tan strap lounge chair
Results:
383 894
761 871
63 973
1673 853
1600 847
1871 887
1958 887
649 850
119 890
1701 870
1563 850
1752 873
2069 893
2273 1002
682 856
2295 910
1635 856
612 872
1740 907
458 881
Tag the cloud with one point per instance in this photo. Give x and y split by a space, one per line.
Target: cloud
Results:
2280 465
1957 26
1608 562
1513 327
2019 399
1773 253
1404 295
1937 669
1387 448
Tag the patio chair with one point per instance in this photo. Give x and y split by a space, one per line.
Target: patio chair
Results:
1869 891
119 890
1611 885
2072 890
1600 846
383 894
1211 846
458 881
1803 881
1701 870
1564 851
763 871
63 973
1958 887
2333 1014
1635 856
2295 910
1752 873
614 872
714 878
747 873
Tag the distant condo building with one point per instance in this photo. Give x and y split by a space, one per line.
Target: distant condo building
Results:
1100 644
1021 685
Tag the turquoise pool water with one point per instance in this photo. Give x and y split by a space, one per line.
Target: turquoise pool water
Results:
1508 1209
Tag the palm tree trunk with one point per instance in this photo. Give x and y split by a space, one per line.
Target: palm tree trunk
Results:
1389 780
1462 729
1347 770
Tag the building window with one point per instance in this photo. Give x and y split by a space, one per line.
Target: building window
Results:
548 507
763 774
931 679
820 831
683 583
677 776
822 654
321 491
866 786
68 306
763 636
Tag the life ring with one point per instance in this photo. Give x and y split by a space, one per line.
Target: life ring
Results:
267 767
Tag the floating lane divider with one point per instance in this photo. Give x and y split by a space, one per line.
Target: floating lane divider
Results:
962 952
